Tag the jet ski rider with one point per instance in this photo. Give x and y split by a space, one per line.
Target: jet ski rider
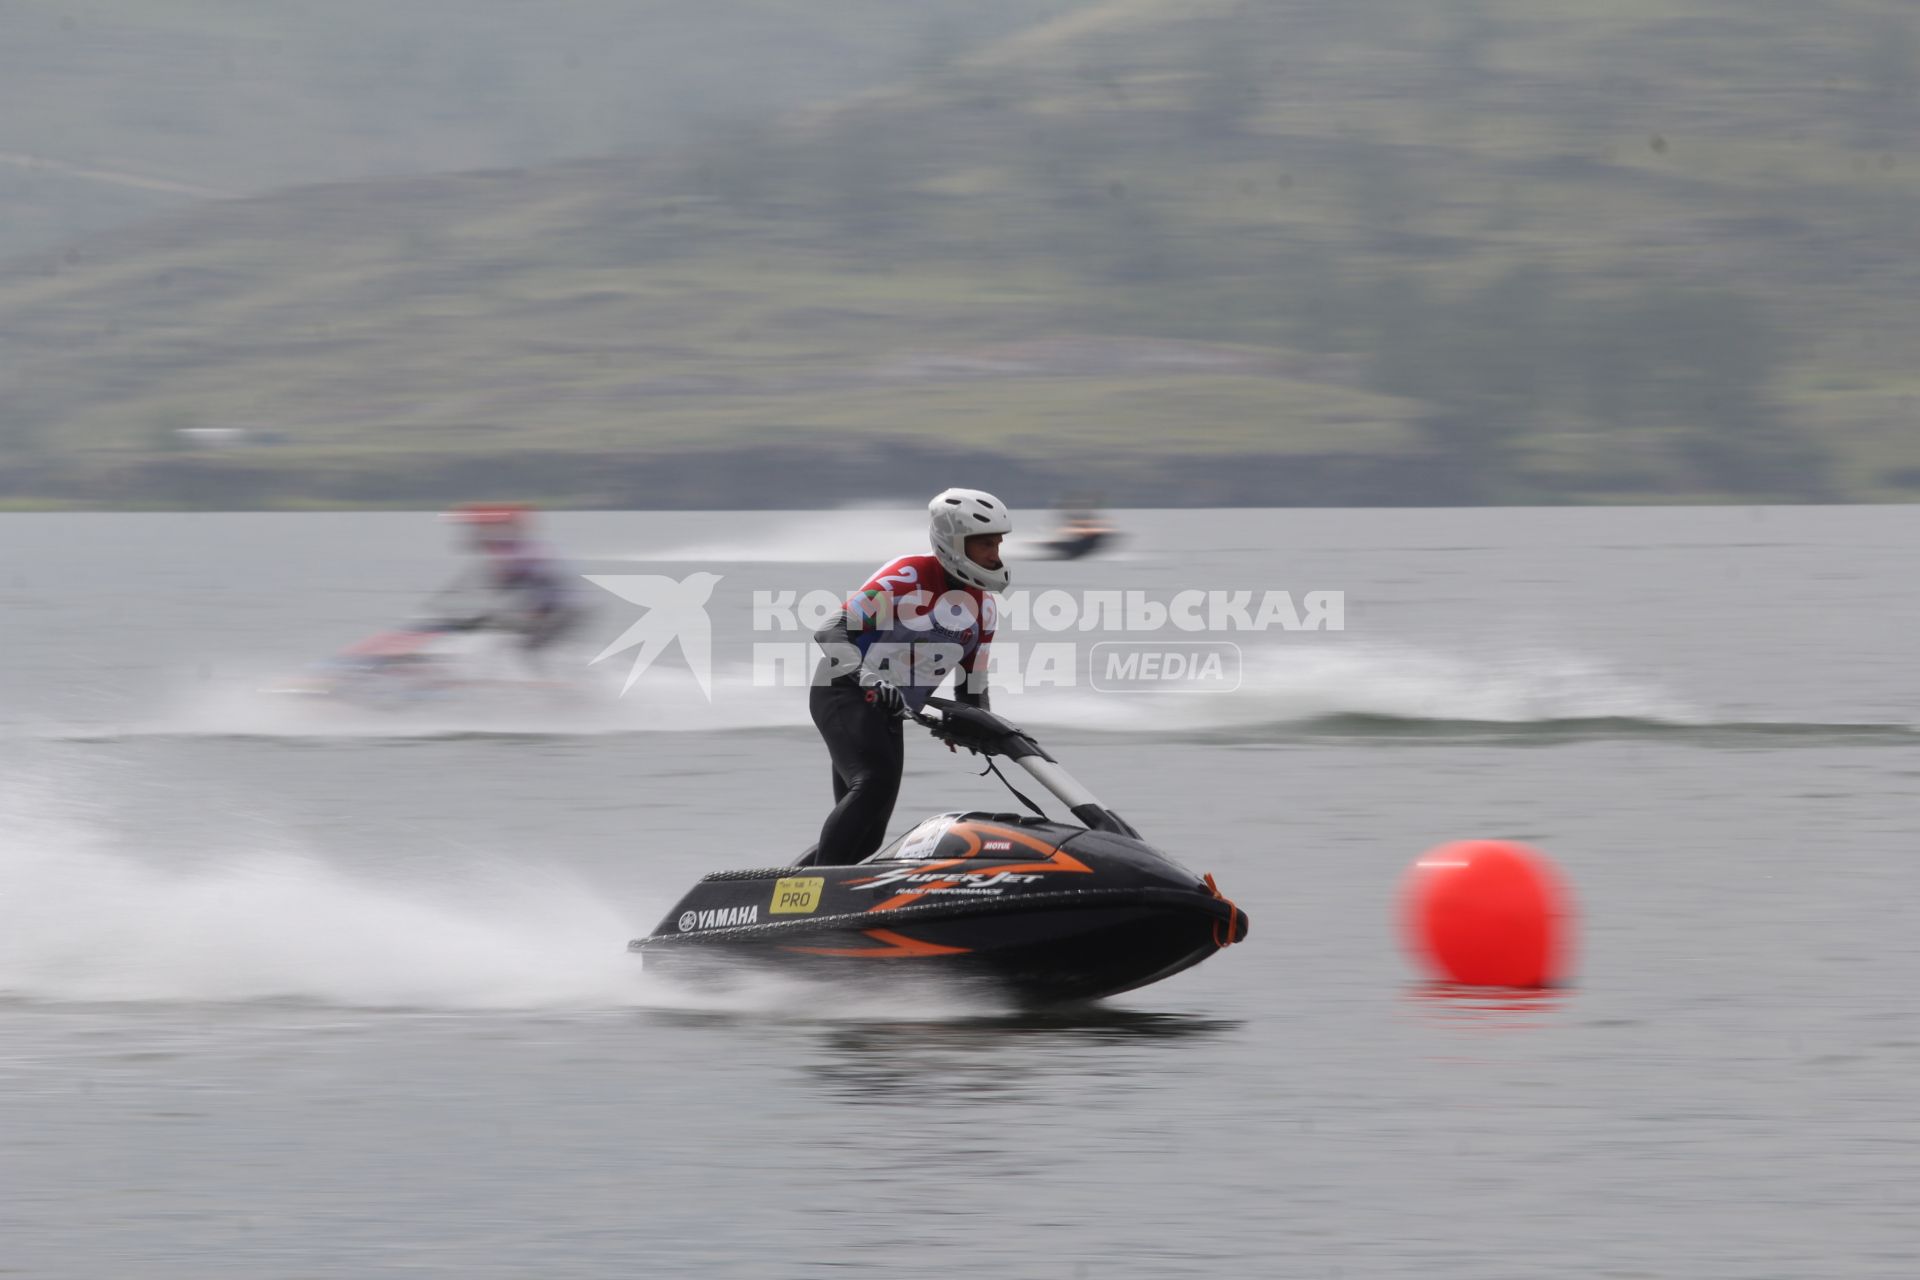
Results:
535 594
918 619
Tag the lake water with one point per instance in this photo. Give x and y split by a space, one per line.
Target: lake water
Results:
289 991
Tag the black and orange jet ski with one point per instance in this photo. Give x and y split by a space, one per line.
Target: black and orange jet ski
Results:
1041 911
1080 536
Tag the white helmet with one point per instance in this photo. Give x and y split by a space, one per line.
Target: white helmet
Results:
957 515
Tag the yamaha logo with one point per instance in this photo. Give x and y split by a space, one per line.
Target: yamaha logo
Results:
718 918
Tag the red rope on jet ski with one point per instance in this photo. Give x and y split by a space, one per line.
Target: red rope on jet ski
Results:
1233 915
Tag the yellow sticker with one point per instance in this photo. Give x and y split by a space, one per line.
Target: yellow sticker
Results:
796 895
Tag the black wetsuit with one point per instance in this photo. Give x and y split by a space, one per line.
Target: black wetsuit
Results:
867 745
869 751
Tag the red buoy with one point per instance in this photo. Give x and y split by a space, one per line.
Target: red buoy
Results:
1489 913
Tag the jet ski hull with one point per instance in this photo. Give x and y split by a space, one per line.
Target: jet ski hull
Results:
1038 912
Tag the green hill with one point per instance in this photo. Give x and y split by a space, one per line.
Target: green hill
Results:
116 110
1373 250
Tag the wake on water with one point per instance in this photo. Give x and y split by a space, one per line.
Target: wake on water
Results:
1302 686
1285 692
84 920
1282 691
1371 691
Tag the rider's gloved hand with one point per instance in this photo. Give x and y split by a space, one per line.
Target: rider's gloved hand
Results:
881 693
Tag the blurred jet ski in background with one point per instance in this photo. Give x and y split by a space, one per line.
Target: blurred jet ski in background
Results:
422 663
496 629
1082 532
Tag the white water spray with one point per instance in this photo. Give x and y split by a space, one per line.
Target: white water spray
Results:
85 920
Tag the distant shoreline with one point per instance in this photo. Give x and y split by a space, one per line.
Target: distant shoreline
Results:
837 474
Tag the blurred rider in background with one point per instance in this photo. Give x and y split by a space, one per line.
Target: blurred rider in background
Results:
532 597
918 619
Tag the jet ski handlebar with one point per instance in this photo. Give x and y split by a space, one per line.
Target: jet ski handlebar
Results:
979 730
